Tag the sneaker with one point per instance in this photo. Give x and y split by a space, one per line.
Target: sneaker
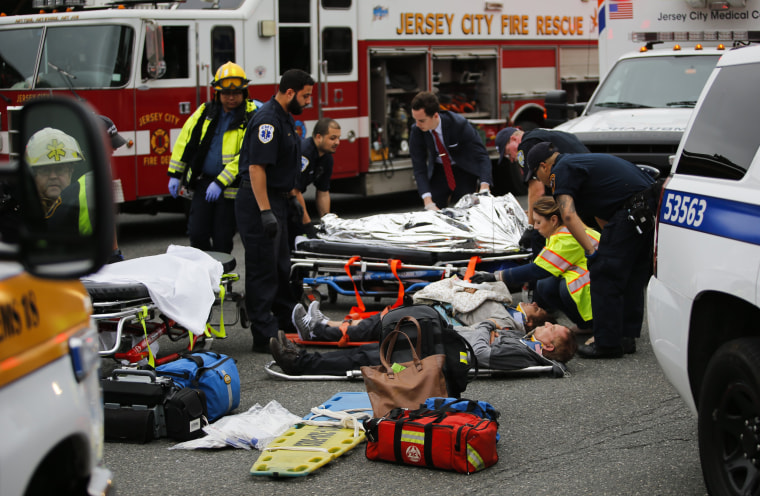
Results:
286 358
301 321
287 344
315 315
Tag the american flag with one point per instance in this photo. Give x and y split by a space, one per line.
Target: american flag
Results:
621 10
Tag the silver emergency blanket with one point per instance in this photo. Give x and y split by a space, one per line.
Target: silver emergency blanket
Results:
478 223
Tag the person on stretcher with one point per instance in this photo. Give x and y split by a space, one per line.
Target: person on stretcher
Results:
498 343
560 271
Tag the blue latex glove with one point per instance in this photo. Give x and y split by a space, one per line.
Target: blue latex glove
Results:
174 186
212 192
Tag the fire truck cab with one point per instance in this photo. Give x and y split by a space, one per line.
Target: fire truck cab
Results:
148 65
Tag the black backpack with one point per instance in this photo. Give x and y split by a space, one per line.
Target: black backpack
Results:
439 337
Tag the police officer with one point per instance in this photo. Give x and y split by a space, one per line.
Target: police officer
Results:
209 143
272 151
449 159
513 145
316 167
623 199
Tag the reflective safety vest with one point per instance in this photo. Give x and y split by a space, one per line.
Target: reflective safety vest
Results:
231 143
564 257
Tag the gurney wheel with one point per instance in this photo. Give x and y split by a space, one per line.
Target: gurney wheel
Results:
310 296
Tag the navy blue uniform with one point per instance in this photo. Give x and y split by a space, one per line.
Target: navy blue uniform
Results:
602 186
270 140
471 163
314 169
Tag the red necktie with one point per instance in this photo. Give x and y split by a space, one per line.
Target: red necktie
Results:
446 161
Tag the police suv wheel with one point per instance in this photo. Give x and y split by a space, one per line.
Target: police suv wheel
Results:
729 419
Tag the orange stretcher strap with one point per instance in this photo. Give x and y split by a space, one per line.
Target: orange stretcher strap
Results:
359 308
471 267
395 265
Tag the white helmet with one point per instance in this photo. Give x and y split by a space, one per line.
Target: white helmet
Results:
50 146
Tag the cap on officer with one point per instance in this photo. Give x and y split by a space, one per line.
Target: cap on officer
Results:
50 146
117 140
539 153
502 138
230 76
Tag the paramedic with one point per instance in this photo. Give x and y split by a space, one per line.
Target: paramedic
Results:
622 199
313 325
271 154
513 145
505 348
210 144
449 159
559 270
316 167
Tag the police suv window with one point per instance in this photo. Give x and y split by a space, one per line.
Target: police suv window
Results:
723 139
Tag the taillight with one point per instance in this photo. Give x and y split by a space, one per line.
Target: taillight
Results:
657 223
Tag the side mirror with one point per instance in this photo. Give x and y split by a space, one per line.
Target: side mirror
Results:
63 183
154 50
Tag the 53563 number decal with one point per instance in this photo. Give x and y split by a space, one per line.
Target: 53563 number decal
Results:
683 209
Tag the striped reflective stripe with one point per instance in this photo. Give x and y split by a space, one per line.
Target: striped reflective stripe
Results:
226 176
591 234
474 458
416 437
583 279
176 166
554 259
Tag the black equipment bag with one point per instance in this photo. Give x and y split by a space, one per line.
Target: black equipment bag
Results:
133 403
439 337
186 414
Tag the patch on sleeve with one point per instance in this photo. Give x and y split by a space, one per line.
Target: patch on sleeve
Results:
304 163
521 159
266 133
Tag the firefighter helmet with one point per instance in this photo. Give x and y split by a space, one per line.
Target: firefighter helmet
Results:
230 76
50 146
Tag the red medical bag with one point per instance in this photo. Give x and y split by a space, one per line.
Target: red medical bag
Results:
439 439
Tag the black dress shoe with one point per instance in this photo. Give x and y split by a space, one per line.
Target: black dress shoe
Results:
260 343
595 351
629 345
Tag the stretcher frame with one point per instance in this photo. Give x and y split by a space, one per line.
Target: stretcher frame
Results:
353 375
139 315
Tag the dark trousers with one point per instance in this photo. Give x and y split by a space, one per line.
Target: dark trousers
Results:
368 329
211 225
267 264
552 293
340 361
439 188
619 275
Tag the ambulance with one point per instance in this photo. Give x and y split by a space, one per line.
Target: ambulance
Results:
50 401
654 58
148 65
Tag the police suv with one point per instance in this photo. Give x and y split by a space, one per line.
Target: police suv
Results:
51 409
703 303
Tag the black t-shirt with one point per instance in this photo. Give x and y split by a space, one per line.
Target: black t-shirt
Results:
599 183
271 140
314 169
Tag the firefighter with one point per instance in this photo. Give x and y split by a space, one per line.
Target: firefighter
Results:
51 155
210 144
271 158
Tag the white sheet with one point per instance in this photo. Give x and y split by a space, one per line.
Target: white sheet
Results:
181 282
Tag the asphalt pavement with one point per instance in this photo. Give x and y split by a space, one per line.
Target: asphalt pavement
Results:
612 427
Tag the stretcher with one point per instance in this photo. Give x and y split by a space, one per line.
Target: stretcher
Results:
558 369
130 322
397 254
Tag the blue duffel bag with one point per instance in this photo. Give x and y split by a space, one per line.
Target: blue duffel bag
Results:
213 373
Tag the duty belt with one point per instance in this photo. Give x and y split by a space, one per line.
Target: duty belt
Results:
246 181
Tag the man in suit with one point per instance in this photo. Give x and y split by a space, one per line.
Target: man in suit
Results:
448 157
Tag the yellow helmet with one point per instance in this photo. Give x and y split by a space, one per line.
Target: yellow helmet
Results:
50 146
230 76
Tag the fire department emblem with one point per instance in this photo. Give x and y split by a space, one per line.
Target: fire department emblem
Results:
266 133
521 159
159 142
413 454
304 163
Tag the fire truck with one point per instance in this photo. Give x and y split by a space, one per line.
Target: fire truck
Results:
148 65
655 58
